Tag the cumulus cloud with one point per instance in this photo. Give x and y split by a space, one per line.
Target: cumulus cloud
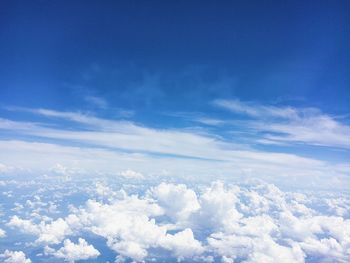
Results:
72 252
253 249
14 257
47 232
182 244
178 201
249 223
218 207
135 232
130 174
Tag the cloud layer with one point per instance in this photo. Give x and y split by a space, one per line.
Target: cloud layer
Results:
107 146
212 223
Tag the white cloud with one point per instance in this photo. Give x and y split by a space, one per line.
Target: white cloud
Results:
182 244
129 249
250 223
178 201
130 174
338 206
132 137
47 233
134 234
316 130
209 121
218 207
97 101
72 252
107 146
14 257
5 169
24 225
2 233
231 164
253 249
288 124
257 110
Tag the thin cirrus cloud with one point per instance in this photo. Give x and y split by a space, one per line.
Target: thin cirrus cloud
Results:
130 136
288 124
96 101
256 110
97 145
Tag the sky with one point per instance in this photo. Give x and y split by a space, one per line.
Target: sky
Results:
231 88
174 131
189 53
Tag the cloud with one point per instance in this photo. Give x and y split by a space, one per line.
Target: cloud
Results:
2 233
97 101
209 121
129 249
253 249
130 174
320 130
257 110
182 244
250 223
134 234
72 252
47 233
103 146
178 201
3 168
14 257
288 124
116 145
218 207
136 230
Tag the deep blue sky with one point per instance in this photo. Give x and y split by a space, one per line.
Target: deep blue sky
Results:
175 55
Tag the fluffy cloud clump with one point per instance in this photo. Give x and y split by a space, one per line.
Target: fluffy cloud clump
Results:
14 257
215 223
71 252
48 233
130 174
178 201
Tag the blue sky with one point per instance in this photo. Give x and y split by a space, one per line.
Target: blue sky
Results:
189 52
242 88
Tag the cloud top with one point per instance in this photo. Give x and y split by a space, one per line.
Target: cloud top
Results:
217 222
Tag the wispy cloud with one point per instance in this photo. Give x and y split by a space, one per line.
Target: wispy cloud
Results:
288 124
111 146
210 121
133 137
97 101
257 110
